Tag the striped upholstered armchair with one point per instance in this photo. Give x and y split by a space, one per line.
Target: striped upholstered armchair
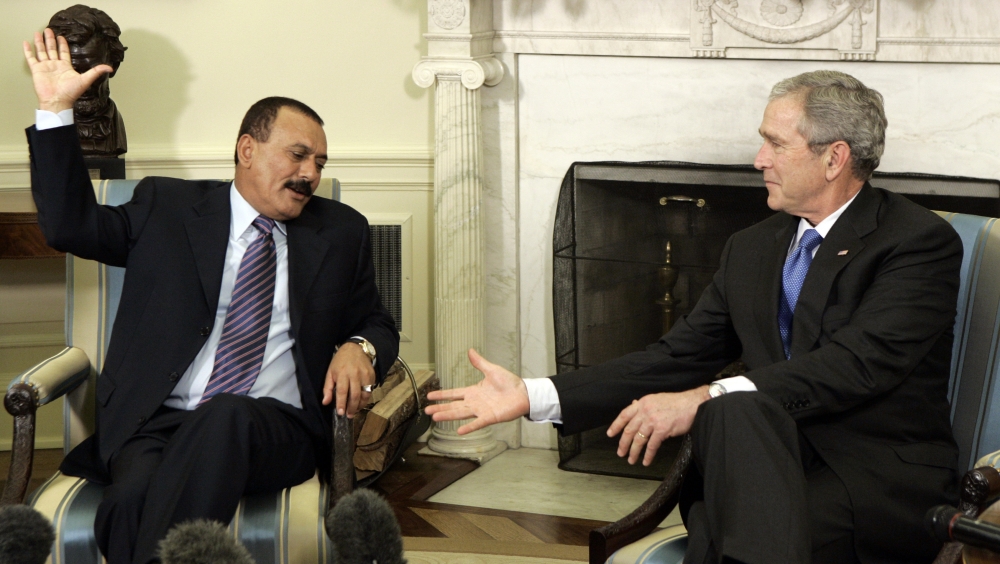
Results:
975 414
286 527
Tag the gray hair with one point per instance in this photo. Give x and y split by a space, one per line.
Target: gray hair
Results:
838 107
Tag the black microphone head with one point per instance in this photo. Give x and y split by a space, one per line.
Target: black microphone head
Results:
938 521
364 530
202 542
26 536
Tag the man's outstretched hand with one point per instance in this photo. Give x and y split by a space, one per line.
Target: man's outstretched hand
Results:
500 396
57 84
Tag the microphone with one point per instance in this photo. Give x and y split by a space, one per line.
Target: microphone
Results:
202 542
949 524
364 530
26 536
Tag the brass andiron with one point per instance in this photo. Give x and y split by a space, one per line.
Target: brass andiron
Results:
668 278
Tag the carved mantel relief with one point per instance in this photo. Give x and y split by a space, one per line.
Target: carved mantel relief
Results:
783 24
447 14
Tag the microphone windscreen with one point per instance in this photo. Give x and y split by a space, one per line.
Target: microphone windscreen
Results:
938 521
26 536
202 542
364 530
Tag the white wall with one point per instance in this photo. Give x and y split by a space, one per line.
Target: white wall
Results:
192 69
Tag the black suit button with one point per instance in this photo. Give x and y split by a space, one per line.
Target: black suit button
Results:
142 420
174 376
205 331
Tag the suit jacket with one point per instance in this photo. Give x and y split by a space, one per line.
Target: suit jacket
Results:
868 376
172 239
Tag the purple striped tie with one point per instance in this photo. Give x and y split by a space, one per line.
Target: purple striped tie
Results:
244 336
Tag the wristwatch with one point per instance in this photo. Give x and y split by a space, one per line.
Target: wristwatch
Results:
716 389
367 347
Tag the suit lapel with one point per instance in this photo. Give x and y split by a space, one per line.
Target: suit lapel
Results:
858 220
306 249
772 261
208 234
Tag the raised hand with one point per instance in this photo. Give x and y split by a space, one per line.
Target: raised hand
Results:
500 396
57 84
654 418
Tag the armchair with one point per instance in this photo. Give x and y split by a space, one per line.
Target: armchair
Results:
285 527
975 414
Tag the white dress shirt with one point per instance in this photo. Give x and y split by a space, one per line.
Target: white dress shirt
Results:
543 399
277 373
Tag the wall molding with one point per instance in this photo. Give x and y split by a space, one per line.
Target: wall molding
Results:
28 341
394 168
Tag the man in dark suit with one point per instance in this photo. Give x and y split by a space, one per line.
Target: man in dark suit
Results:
249 309
836 440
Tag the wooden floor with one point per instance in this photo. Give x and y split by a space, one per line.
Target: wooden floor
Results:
407 486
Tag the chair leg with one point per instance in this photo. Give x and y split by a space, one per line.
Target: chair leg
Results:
20 402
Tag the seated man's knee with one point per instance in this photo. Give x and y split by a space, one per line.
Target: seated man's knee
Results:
127 495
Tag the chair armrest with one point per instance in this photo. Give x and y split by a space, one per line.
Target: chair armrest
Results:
53 377
979 485
343 458
609 538
37 386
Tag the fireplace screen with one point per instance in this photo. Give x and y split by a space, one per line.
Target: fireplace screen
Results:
634 246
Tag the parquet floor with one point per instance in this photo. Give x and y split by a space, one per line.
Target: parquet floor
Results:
407 487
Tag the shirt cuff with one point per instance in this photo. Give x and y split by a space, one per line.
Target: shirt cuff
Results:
45 119
737 384
543 401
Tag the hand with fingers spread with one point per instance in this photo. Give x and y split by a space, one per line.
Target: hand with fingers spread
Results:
500 396
57 84
349 370
653 419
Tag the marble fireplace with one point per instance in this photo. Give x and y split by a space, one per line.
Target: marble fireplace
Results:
525 88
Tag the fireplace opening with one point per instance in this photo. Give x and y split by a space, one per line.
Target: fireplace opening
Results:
634 246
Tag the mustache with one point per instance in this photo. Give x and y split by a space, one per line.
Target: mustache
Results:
301 186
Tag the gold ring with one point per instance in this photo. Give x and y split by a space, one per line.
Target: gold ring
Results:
640 434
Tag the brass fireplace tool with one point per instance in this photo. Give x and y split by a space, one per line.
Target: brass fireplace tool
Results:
668 278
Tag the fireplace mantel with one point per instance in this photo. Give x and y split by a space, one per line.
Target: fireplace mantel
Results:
560 81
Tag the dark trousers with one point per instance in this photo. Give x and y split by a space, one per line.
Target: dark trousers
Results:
759 493
185 465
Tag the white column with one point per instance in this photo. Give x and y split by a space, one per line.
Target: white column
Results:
458 72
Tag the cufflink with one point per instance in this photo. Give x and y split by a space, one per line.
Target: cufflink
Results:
716 389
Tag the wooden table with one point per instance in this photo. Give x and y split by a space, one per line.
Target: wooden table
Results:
21 238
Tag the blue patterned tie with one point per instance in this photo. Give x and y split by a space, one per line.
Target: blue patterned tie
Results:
796 267
248 319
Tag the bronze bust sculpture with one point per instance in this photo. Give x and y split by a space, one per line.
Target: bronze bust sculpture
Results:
93 39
